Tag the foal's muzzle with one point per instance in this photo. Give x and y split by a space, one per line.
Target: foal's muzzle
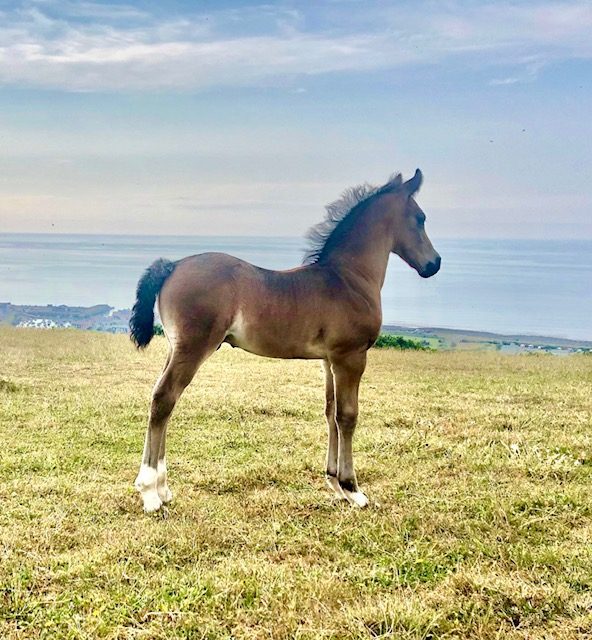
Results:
431 268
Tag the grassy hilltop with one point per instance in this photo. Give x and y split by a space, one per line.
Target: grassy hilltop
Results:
481 465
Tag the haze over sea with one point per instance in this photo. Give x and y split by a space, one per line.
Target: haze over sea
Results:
537 287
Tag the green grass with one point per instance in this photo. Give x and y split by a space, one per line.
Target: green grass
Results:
391 341
480 463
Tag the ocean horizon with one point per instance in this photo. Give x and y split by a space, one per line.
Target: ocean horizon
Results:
532 287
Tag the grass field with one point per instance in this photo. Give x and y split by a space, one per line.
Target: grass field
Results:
481 466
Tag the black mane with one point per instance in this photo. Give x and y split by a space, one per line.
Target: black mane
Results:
340 215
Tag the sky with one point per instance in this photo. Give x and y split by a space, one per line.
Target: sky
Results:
240 118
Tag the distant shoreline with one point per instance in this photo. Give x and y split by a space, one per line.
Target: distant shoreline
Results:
103 317
469 340
470 335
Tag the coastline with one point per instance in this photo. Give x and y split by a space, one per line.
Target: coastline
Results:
103 317
449 338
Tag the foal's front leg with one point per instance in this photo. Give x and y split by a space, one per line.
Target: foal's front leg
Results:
332 433
347 373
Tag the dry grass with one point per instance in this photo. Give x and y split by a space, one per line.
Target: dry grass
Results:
481 464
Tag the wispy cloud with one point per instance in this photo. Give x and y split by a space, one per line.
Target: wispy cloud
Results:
93 46
526 71
500 82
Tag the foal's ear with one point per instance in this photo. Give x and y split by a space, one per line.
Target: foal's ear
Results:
412 185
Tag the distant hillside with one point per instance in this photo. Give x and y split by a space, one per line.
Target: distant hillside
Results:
100 317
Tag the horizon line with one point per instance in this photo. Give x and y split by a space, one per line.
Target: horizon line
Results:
271 236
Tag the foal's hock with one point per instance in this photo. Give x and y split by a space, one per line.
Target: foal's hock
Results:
331 304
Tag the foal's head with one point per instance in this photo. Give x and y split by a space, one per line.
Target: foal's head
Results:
351 225
410 239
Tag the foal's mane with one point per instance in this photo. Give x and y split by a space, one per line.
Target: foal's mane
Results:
340 214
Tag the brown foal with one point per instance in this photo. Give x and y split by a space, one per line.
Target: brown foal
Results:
328 309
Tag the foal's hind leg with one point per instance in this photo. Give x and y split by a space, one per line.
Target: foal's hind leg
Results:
162 488
182 365
347 373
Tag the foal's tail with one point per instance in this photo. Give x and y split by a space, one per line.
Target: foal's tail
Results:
142 319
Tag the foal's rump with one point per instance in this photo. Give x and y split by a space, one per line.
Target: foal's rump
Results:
198 300
179 298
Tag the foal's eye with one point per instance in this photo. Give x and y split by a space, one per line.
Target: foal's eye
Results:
421 221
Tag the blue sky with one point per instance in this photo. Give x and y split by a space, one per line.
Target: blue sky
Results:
244 118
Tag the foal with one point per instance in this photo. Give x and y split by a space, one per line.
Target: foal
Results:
328 309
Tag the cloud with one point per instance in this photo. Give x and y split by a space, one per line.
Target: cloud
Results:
96 47
528 72
500 82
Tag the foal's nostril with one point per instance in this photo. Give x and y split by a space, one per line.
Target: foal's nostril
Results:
431 268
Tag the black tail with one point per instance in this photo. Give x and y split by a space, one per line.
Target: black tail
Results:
142 319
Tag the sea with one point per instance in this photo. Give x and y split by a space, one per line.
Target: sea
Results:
532 287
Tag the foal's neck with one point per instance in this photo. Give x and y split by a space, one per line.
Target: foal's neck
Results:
366 250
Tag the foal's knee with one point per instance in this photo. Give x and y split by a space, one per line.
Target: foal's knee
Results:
346 418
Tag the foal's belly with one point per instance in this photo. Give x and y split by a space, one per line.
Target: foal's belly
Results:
274 339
